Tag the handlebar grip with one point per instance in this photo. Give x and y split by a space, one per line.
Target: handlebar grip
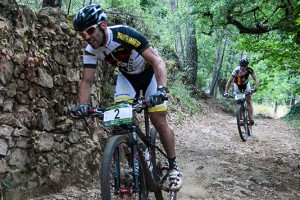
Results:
71 112
165 98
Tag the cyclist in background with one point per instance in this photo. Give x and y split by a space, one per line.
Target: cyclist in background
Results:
140 68
240 76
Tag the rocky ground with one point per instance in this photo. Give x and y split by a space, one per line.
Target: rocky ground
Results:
216 164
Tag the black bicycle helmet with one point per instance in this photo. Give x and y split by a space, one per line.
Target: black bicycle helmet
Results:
243 62
88 16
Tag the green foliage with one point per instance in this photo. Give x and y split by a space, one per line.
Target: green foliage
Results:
6 188
182 94
148 4
107 93
293 117
276 57
206 59
201 81
278 49
10 184
124 5
274 86
294 112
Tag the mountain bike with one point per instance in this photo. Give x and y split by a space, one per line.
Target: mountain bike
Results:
134 164
242 115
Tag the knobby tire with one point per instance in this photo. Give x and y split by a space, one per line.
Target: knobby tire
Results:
240 116
249 126
153 137
110 175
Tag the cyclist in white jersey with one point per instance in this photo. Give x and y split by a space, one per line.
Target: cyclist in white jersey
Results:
140 69
240 77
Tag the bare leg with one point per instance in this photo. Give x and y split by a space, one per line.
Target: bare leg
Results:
159 120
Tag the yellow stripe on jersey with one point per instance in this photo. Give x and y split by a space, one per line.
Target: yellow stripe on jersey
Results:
134 42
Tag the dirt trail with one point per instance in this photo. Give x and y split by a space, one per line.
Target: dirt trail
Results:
216 164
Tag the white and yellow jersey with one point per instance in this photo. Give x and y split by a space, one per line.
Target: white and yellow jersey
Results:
123 49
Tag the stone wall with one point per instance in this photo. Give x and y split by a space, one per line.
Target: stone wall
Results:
41 148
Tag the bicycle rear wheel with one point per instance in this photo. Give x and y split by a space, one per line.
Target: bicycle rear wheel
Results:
242 122
116 172
160 169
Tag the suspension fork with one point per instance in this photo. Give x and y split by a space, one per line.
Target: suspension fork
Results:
244 109
147 124
136 166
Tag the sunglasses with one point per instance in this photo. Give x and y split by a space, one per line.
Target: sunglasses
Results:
89 31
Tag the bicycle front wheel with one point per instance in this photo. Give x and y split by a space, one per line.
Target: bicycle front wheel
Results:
117 172
242 122
247 119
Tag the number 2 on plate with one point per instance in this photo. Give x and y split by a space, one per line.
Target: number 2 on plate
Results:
118 111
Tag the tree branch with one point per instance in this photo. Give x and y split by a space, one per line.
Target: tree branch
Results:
258 29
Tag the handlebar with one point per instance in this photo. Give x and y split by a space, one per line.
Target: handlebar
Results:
138 104
230 96
246 93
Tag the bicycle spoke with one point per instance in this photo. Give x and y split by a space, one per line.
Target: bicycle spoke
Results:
118 183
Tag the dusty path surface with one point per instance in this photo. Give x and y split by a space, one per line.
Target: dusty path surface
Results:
216 164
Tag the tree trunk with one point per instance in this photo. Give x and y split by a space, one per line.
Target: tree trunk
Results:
174 5
178 37
191 54
276 107
52 3
227 68
217 67
293 101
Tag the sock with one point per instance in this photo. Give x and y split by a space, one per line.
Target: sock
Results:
172 163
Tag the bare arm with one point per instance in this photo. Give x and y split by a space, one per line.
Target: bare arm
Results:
256 81
159 65
84 92
228 83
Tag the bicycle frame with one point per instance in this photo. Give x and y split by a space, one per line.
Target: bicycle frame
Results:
135 141
242 115
243 105
137 135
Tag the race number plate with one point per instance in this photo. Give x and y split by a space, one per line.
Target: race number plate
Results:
120 114
238 97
